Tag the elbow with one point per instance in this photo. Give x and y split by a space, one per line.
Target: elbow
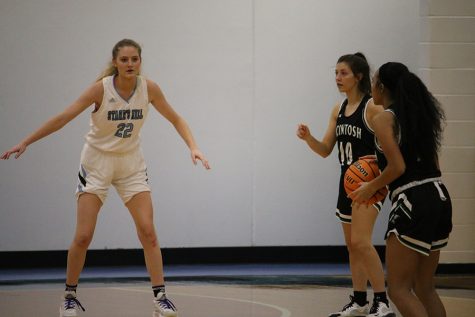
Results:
400 169
59 122
318 147
326 151
321 152
177 122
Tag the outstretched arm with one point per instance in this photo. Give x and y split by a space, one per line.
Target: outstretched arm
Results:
157 99
326 145
93 95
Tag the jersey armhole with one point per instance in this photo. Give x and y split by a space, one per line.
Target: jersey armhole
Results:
365 117
343 103
144 84
96 106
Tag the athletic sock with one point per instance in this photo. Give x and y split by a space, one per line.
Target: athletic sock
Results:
381 297
360 297
158 289
71 288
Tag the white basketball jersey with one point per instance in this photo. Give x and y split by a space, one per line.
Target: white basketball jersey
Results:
115 126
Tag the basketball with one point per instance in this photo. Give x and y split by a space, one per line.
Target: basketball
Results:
363 170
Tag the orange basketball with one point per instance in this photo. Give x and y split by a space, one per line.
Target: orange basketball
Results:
361 171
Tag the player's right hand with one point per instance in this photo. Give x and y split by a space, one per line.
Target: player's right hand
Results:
18 149
303 132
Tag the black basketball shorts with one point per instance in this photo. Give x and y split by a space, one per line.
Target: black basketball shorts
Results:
421 216
343 205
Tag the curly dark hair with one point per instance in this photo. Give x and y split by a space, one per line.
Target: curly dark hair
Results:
419 113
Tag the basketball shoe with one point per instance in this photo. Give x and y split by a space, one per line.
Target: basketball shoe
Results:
380 309
70 305
163 306
352 309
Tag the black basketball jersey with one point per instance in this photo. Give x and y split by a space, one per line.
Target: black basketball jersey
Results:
353 135
416 169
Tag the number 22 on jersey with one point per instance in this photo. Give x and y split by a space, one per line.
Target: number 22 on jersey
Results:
124 130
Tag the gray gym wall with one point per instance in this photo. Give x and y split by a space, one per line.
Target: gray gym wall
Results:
242 73
447 65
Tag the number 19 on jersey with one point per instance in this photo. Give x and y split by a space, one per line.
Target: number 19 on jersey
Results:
346 154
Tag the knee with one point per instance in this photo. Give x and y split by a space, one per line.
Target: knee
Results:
422 289
397 293
148 236
82 240
358 246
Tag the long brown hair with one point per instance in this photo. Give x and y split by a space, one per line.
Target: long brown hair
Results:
111 69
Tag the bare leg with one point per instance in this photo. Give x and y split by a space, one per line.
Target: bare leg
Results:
88 206
140 207
359 277
424 285
363 219
402 266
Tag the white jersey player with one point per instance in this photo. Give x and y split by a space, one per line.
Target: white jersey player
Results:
112 156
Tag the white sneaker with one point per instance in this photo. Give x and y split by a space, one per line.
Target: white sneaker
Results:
163 306
70 304
381 309
352 309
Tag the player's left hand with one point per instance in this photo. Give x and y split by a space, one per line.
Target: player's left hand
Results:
362 194
197 155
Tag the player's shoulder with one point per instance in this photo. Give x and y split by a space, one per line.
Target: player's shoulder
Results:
153 90
373 109
151 84
336 108
370 104
383 118
96 90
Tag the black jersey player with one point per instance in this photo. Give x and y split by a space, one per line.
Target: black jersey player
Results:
350 129
408 135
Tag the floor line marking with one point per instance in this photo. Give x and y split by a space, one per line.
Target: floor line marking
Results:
284 312
457 298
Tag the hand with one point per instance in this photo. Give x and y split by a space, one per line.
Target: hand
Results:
303 132
18 149
362 194
197 155
370 157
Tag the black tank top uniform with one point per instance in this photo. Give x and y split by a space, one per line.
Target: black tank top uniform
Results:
416 169
354 139
421 213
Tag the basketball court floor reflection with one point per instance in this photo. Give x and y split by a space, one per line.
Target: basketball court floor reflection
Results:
264 290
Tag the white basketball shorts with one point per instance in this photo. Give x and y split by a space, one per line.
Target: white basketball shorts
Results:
98 170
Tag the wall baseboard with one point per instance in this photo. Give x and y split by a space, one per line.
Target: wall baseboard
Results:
207 255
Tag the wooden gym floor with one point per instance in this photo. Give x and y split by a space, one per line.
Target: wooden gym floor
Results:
207 291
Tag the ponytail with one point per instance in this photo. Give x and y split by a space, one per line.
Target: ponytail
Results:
419 112
108 71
